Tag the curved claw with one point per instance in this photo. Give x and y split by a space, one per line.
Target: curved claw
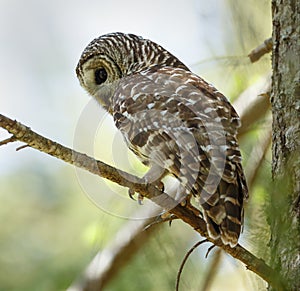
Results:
131 193
140 199
160 185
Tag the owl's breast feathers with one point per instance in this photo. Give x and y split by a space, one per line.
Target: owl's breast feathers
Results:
173 118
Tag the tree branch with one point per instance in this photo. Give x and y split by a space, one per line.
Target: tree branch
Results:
258 52
30 138
109 261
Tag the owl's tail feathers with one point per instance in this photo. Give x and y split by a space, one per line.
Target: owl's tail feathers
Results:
223 213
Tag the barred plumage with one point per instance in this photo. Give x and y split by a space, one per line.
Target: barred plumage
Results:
174 121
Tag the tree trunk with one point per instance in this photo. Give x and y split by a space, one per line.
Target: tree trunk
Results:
284 212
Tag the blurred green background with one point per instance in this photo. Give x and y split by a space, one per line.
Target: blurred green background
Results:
53 218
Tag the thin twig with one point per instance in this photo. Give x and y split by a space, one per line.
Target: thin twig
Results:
8 140
160 220
209 250
197 244
34 140
22 147
261 50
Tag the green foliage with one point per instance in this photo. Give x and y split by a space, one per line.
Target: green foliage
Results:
42 225
50 230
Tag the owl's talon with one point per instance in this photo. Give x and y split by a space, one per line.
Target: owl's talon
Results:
140 199
160 185
131 194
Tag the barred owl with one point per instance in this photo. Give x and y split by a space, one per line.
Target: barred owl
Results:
174 121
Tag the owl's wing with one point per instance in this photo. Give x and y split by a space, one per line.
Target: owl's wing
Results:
174 119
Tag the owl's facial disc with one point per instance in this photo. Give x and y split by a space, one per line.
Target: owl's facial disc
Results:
99 76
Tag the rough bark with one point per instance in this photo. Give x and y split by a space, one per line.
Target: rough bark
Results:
284 215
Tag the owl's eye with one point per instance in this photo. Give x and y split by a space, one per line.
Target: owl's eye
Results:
100 76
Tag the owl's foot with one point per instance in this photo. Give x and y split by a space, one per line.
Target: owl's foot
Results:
131 194
164 217
158 184
140 198
153 176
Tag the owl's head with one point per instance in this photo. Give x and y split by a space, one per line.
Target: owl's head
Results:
109 58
